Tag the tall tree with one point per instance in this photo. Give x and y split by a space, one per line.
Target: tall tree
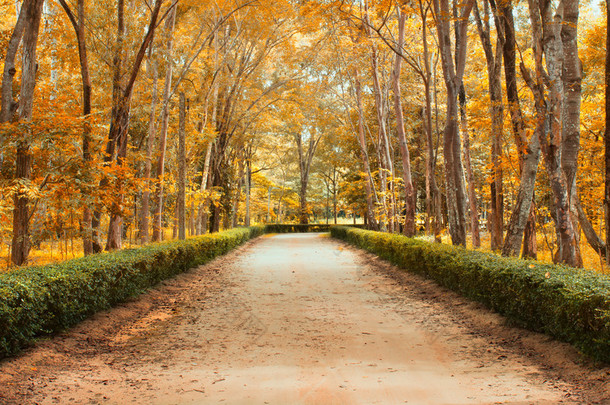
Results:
78 23
410 197
116 145
181 200
20 246
521 229
549 93
607 132
494 75
453 73
170 24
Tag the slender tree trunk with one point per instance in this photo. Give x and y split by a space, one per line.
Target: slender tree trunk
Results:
335 195
305 159
248 185
523 206
472 195
572 90
453 74
518 231
9 106
410 198
119 125
433 195
368 183
386 166
181 200
79 29
203 207
494 75
20 246
607 134
159 191
150 144
120 118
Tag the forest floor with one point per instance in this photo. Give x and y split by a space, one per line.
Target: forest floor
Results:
300 318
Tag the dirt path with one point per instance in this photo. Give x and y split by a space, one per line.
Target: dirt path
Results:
299 319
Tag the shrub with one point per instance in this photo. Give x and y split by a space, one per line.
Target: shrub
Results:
569 304
296 228
44 299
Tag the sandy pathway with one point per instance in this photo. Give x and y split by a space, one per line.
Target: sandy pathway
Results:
299 319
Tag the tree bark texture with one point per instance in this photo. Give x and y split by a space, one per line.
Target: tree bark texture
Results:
159 190
494 75
410 197
150 144
20 246
453 74
181 200
79 29
9 106
607 134
546 29
116 146
369 186
518 232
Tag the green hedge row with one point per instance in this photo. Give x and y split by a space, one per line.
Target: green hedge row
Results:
569 304
296 228
43 299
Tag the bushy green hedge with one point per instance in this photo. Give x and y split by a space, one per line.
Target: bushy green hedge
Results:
44 299
296 228
569 304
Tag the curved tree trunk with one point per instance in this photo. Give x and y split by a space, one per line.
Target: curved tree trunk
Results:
519 231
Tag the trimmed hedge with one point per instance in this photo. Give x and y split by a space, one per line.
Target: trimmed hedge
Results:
44 299
299 228
296 228
569 304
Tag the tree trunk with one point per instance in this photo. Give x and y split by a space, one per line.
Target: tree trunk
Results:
546 29
523 206
203 207
453 74
472 195
20 246
150 144
248 185
369 186
594 240
385 158
119 125
410 198
572 90
305 159
119 118
496 109
607 134
181 200
159 190
527 230
79 30
9 106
